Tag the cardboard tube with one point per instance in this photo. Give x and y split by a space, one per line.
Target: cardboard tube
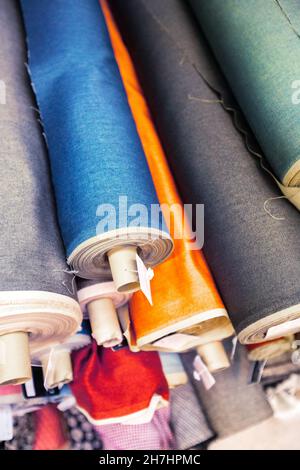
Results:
214 356
105 323
15 364
122 261
58 370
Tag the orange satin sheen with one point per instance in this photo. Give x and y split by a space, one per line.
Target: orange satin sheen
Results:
182 286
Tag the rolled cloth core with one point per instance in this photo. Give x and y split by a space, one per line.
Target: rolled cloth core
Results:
190 304
212 165
122 262
99 301
214 356
57 368
105 325
102 183
15 364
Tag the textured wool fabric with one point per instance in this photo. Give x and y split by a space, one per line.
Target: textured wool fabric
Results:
191 302
33 267
110 386
81 433
95 153
188 420
249 251
155 435
263 77
231 405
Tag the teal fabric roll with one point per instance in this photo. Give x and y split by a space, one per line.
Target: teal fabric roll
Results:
257 43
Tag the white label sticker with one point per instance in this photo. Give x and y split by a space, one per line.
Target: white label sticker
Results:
201 372
30 388
6 423
234 345
145 276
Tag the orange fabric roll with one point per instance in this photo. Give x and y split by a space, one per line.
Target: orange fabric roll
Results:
185 298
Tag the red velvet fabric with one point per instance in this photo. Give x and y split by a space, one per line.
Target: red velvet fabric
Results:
111 384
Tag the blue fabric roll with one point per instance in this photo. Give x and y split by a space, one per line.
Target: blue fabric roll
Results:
95 152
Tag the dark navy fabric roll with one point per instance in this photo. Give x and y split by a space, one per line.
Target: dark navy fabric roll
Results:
251 241
96 156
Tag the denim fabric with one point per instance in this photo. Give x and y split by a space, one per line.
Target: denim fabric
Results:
31 251
254 257
258 46
95 152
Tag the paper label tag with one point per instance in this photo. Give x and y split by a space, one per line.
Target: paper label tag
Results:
176 342
201 372
30 388
283 329
6 423
234 345
145 276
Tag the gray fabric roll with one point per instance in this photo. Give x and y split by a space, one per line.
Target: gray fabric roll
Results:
31 251
249 251
231 405
189 424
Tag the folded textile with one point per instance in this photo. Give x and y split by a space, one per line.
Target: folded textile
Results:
118 386
188 420
155 435
50 433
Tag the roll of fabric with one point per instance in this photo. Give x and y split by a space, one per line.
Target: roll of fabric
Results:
191 303
103 186
255 69
36 296
99 302
188 420
231 405
212 165
269 349
118 387
155 435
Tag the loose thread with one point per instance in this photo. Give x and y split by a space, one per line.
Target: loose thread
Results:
268 210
